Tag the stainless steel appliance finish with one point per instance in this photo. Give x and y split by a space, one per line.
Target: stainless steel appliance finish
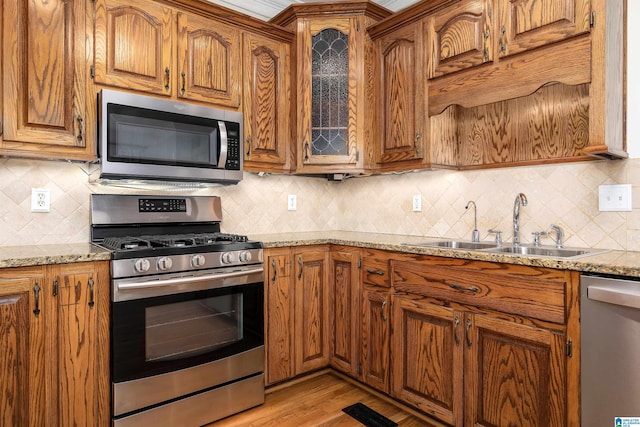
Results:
610 341
144 138
202 408
130 395
187 320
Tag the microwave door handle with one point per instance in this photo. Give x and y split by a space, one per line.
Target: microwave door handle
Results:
223 145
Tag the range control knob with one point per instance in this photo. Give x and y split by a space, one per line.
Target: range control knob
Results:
197 260
245 256
142 265
227 258
164 263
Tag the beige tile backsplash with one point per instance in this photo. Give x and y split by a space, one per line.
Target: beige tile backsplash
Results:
565 194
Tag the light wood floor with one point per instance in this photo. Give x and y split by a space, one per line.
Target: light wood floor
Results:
317 401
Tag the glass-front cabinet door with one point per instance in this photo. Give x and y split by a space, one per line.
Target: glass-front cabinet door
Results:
327 95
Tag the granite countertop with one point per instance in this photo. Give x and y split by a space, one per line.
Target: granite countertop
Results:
619 263
30 255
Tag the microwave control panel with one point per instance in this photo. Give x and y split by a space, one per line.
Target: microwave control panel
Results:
233 146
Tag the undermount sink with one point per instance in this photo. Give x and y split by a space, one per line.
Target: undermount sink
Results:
456 244
491 247
546 251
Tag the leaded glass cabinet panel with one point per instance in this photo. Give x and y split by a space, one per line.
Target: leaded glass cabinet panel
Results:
327 87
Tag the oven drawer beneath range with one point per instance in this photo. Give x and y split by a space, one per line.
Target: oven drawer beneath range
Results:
129 396
203 408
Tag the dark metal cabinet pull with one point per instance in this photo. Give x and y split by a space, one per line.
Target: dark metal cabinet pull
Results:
167 78
463 288
248 139
55 288
384 316
275 270
80 136
306 151
456 322
91 296
184 82
36 291
300 264
468 336
378 272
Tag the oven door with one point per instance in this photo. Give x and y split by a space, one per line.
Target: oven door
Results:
179 329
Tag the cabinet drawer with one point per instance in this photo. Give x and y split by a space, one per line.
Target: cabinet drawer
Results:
528 291
375 269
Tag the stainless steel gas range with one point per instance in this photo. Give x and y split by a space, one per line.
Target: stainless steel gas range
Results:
187 315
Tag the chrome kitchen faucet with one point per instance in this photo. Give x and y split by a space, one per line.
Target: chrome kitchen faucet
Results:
521 200
475 236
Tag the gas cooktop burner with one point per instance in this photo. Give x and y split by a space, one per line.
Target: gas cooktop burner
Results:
130 243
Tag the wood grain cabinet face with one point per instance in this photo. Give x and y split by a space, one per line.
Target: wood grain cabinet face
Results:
460 37
58 330
374 341
344 313
402 104
208 61
462 324
515 374
266 104
311 310
24 390
45 111
279 300
427 358
134 45
526 24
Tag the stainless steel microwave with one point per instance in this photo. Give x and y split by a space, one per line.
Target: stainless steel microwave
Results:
143 138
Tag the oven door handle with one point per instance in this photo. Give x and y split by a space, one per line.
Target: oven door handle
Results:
183 280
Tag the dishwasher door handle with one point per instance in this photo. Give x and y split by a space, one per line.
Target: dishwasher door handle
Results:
628 296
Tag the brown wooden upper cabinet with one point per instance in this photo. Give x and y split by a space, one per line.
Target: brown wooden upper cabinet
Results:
44 108
472 32
333 132
266 104
137 46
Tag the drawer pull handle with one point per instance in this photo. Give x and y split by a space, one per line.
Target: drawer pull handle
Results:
456 322
384 316
378 272
463 288
467 333
275 271
301 268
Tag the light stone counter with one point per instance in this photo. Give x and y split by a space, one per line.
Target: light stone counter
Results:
619 263
25 256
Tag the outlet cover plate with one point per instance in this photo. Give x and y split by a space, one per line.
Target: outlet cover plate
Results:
40 200
614 198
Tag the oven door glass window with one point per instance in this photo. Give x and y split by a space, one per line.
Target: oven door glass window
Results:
184 329
152 336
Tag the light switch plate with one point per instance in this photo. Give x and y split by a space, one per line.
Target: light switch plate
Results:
292 202
417 203
614 198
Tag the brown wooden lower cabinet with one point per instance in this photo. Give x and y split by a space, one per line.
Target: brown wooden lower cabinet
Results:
55 339
470 343
296 307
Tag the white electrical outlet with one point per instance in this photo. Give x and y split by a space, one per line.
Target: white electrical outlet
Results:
292 202
417 203
40 200
614 198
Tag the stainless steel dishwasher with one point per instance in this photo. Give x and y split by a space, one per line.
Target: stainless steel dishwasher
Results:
610 337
